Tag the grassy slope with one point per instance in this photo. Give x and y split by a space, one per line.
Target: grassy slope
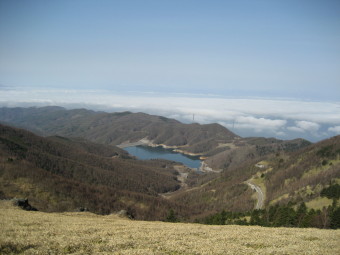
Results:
85 233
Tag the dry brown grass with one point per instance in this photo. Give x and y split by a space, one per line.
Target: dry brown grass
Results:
85 233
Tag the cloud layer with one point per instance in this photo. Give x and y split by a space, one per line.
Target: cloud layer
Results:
282 118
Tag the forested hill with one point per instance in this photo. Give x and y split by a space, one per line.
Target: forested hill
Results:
59 174
63 174
116 128
307 179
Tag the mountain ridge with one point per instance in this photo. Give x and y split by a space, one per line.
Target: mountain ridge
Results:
117 128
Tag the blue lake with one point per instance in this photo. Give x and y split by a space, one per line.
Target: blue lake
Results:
147 152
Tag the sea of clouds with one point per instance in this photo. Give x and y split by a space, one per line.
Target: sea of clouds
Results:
280 118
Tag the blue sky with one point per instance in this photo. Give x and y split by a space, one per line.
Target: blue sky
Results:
233 49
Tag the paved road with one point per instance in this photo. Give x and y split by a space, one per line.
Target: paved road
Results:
260 196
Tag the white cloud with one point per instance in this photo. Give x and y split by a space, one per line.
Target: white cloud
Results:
335 129
264 116
305 126
296 129
281 134
259 124
308 125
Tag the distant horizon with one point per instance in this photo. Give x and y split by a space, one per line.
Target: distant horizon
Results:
280 118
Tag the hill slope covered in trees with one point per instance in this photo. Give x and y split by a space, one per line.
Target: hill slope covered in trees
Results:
64 173
116 128
58 174
308 178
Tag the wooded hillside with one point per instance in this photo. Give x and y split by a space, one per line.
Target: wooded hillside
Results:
63 174
284 177
116 128
220 146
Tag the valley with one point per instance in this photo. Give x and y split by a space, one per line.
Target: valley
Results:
79 154
169 127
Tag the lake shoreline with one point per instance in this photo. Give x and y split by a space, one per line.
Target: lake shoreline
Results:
146 142
149 153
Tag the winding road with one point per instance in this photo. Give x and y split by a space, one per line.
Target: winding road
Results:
260 195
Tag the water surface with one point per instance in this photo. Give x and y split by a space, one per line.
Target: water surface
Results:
147 152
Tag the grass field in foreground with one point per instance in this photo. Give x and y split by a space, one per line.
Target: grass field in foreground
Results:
25 232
